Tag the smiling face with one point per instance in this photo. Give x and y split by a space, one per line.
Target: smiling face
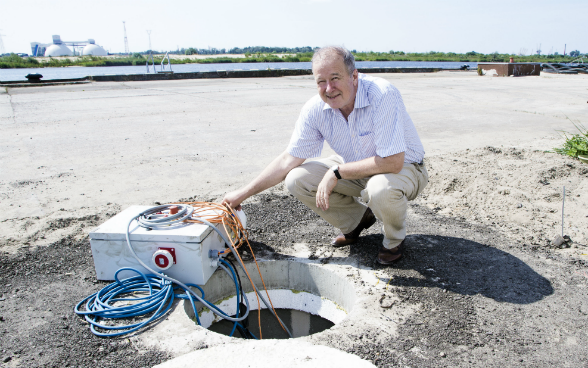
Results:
335 86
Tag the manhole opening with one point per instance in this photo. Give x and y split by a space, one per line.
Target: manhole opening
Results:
298 322
308 298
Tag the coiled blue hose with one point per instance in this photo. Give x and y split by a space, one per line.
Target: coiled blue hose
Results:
106 303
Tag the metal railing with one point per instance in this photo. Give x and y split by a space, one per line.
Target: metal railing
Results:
163 70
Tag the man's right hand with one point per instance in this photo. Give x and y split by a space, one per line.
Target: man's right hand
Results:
273 174
233 199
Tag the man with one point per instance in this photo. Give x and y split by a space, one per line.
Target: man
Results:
379 155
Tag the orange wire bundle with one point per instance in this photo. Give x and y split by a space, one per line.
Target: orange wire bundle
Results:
219 214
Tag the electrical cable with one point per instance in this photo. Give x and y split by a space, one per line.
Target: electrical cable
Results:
233 248
237 292
238 277
145 219
102 303
242 328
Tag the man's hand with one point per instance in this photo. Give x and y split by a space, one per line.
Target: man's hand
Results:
325 189
273 174
233 199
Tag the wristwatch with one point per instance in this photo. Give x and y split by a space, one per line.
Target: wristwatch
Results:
336 171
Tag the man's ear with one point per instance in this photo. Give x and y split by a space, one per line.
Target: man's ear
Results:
355 77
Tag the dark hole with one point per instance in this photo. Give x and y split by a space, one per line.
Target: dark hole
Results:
300 324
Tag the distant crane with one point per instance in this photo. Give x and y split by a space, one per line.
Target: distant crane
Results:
2 50
539 50
126 41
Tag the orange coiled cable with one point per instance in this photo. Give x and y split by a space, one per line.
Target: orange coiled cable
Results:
217 213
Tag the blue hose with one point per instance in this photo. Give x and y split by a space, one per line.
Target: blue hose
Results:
238 293
107 304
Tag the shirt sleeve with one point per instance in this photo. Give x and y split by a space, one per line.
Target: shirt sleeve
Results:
389 124
307 141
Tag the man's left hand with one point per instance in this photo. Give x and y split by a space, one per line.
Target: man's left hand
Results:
324 190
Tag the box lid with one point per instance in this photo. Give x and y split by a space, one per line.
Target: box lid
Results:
116 228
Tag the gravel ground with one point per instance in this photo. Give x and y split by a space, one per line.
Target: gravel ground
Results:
479 292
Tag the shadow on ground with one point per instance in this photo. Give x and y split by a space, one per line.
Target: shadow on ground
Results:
468 268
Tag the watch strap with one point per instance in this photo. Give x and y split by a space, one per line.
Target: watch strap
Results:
336 171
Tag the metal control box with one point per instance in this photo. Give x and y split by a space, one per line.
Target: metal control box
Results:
180 252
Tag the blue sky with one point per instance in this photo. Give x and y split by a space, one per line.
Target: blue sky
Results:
427 25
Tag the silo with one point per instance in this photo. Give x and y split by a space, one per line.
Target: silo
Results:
95 50
58 50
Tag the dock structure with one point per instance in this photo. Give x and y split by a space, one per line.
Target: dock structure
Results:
509 69
255 73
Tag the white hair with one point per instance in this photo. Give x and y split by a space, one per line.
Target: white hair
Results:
347 56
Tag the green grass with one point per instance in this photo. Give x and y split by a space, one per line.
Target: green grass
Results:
451 56
14 61
575 144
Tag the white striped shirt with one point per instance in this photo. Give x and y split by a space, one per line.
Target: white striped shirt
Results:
378 125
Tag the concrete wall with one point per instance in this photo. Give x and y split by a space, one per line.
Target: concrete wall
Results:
508 69
287 275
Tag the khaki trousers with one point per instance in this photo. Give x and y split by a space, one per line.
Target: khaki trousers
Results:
386 194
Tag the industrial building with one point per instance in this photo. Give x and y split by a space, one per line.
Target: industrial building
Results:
62 48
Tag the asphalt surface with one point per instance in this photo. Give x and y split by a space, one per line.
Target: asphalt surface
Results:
479 301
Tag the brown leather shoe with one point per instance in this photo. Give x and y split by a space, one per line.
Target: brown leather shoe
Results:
388 256
342 240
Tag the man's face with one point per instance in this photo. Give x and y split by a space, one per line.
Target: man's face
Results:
335 86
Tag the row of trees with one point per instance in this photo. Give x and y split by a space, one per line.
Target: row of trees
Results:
248 50
270 50
371 55
391 55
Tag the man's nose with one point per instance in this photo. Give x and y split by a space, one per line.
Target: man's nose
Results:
330 87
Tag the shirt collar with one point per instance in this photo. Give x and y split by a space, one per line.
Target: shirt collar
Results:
361 96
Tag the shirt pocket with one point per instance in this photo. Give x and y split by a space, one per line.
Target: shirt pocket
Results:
368 144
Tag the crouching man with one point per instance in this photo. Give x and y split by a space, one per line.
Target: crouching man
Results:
379 155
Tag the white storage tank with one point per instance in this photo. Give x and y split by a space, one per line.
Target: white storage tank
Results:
95 50
58 50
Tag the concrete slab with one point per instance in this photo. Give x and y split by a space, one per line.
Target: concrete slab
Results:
269 354
164 140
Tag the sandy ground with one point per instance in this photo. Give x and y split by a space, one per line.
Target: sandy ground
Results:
500 291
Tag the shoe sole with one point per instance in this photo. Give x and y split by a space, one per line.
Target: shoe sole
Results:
387 263
400 251
343 245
